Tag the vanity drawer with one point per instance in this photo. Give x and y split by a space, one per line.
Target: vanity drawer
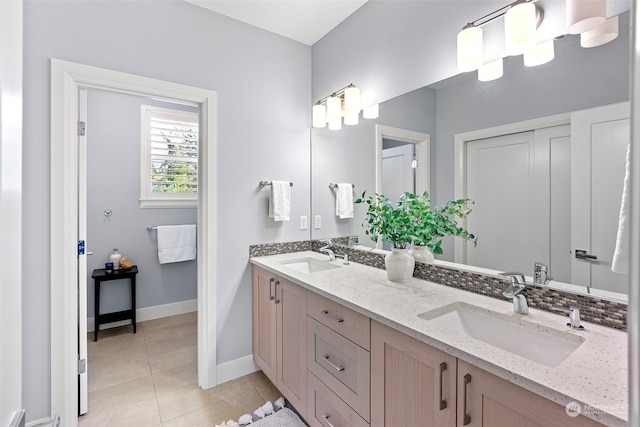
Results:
341 319
340 364
326 409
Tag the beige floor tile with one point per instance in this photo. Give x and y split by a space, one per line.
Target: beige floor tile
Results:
207 416
174 342
115 338
240 392
142 414
121 395
169 321
173 359
170 330
184 400
171 379
105 357
117 371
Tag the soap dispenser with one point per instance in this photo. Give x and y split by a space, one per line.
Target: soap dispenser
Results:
115 259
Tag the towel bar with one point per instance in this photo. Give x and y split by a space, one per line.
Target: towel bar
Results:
155 227
332 185
267 183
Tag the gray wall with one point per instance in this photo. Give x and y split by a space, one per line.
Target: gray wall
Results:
263 83
113 182
349 155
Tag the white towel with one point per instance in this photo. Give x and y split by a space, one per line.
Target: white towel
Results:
176 243
620 262
280 201
344 201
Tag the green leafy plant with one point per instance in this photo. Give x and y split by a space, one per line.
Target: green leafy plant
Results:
414 221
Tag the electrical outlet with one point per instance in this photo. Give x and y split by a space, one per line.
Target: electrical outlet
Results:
303 222
317 221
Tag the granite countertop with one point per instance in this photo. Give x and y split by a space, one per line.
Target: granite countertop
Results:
594 375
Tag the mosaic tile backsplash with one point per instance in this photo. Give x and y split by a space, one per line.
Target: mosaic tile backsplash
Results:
592 309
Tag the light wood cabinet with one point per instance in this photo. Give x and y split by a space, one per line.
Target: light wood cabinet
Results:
412 384
280 334
487 400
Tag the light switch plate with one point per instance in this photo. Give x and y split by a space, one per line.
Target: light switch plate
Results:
303 222
317 221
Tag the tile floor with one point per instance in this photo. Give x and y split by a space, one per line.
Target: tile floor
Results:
150 379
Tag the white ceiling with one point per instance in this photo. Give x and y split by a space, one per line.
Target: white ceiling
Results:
306 21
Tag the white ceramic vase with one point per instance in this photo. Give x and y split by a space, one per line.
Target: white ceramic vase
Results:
399 264
422 254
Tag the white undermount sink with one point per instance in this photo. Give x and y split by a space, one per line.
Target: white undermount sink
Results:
309 265
534 342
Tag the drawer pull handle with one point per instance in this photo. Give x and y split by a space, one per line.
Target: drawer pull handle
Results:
271 297
443 403
276 288
333 365
325 417
467 417
332 317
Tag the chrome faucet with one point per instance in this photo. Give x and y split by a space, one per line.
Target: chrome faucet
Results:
517 290
541 274
574 316
327 249
345 258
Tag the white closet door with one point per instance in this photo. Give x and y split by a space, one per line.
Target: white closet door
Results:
500 177
599 145
397 174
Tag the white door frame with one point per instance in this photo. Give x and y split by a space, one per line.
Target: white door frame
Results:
423 154
460 158
10 210
66 79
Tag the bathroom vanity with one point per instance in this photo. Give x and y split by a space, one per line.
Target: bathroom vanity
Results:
347 347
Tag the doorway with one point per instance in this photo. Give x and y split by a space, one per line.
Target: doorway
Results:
67 79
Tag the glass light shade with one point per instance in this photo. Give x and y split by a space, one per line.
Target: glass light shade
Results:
539 54
334 108
491 71
352 100
600 35
371 112
585 15
520 28
351 118
319 116
469 49
335 123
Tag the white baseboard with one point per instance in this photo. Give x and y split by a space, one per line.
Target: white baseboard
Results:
235 368
150 313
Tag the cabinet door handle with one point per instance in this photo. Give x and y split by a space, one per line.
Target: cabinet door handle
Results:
443 403
467 417
332 317
333 365
325 417
271 297
276 288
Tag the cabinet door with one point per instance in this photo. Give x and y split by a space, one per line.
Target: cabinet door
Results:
291 303
412 384
264 321
487 400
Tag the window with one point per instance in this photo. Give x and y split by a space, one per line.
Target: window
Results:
169 175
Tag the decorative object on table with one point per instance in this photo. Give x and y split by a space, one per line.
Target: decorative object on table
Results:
108 267
434 223
411 221
114 258
126 262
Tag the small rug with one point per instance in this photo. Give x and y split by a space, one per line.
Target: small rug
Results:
280 417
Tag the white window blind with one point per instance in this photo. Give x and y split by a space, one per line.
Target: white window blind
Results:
169 158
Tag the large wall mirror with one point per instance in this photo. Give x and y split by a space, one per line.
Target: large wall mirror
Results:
449 112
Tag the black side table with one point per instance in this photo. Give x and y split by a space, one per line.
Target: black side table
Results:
100 276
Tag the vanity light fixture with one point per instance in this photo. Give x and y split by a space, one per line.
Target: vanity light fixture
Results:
469 48
491 71
585 15
346 103
539 54
520 24
600 35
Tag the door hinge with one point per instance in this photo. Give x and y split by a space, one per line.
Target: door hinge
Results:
80 247
82 127
82 366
